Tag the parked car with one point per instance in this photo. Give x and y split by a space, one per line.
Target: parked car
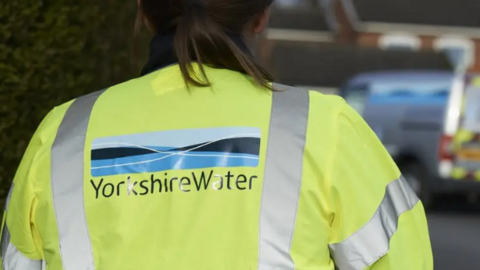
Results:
429 121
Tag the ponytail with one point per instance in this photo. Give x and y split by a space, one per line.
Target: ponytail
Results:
200 39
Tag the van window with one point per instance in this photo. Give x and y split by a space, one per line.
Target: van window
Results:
356 96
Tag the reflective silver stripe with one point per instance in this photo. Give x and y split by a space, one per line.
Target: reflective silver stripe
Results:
67 185
5 232
370 243
12 258
283 177
15 260
5 240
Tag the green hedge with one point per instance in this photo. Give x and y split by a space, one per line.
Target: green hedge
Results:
52 51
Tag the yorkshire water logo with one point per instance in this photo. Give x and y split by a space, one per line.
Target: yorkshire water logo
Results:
175 150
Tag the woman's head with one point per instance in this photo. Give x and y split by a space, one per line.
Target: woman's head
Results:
206 32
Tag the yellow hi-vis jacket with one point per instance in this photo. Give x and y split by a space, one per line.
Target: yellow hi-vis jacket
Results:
147 175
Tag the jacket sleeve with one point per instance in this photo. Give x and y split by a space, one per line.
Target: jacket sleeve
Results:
20 244
378 222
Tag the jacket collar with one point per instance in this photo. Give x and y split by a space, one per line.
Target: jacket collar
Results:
162 53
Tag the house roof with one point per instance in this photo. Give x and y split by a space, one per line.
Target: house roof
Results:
298 19
463 13
331 65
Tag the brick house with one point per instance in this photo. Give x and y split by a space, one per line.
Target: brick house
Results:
308 45
450 26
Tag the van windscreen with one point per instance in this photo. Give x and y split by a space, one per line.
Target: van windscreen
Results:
356 96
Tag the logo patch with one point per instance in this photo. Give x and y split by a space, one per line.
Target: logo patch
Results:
176 150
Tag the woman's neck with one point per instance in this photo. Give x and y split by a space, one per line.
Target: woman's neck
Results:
162 52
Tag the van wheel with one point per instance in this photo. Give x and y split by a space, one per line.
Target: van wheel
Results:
417 177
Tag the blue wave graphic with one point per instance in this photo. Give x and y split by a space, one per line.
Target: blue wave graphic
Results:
171 161
176 150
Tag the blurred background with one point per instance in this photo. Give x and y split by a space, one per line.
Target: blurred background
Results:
408 66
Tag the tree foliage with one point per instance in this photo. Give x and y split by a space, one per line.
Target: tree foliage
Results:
52 51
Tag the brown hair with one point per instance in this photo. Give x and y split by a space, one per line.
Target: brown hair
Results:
205 33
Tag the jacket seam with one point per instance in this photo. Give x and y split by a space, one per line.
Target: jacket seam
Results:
332 159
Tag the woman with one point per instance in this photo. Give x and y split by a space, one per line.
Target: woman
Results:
203 163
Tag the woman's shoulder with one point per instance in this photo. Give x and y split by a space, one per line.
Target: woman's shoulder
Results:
316 98
326 104
332 118
324 110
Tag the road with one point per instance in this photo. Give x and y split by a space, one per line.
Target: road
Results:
455 235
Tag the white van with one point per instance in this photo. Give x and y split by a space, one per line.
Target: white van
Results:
430 123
